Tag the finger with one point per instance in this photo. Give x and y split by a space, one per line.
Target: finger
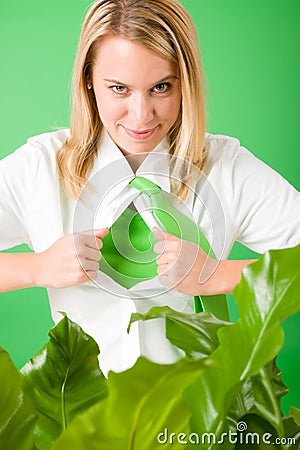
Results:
160 247
162 268
93 254
168 246
96 231
92 238
162 259
98 244
88 265
100 233
91 265
166 258
93 242
160 234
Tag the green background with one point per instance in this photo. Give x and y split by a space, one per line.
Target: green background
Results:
251 55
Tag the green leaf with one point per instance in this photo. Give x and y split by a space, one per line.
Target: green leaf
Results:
17 415
257 435
275 374
259 394
268 293
292 427
295 414
143 402
62 380
146 399
195 334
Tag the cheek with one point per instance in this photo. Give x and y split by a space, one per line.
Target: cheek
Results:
170 109
108 108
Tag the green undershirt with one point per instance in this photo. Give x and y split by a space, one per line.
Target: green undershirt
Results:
127 255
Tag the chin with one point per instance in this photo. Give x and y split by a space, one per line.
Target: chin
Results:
137 148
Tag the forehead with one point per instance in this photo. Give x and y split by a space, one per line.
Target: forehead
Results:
120 58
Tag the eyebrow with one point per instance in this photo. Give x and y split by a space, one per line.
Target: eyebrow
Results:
121 83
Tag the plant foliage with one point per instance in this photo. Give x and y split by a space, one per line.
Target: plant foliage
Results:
63 380
227 377
17 414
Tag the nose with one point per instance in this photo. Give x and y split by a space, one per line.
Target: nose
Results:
140 109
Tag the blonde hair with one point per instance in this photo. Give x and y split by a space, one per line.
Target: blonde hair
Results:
165 27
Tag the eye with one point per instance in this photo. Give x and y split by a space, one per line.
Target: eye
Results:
119 89
161 87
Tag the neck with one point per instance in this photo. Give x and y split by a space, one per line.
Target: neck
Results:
135 160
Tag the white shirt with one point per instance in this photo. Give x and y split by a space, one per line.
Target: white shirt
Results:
239 198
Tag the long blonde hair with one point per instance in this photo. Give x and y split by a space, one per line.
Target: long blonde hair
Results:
163 26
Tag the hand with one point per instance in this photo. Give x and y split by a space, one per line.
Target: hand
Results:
184 266
70 261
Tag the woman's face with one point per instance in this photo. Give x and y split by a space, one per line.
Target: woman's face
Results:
137 92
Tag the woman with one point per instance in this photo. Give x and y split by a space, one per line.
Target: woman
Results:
138 110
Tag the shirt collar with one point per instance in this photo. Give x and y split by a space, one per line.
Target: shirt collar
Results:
155 166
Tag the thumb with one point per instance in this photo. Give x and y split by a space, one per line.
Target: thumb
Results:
161 234
101 232
158 233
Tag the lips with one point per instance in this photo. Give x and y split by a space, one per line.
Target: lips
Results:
140 135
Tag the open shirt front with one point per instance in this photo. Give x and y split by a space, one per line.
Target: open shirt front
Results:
237 198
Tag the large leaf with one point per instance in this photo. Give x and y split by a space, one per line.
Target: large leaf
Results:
63 379
141 399
17 415
260 395
143 402
196 334
268 292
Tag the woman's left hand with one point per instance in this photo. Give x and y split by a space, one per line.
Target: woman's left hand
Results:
184 266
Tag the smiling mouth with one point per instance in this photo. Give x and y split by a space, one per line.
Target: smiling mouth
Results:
140 135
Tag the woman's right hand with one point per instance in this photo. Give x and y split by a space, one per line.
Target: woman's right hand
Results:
70 261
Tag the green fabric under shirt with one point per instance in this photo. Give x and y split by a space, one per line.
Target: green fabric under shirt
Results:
127 255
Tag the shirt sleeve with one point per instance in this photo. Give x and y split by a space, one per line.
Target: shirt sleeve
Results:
265 208
16 187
